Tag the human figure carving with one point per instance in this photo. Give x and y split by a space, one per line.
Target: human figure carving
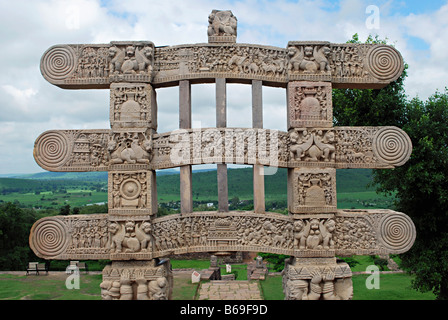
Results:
157 289
142 284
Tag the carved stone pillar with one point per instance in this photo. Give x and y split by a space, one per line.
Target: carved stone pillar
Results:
317 279
137 280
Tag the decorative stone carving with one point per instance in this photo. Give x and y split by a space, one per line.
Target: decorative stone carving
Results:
344 233
137 149
309 104
312 145
344 65
131 61
317 279
130 148
137 280
132 193
314 232
222 26
132 106
307 59
311 190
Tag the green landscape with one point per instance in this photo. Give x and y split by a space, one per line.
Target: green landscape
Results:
50 191
31 197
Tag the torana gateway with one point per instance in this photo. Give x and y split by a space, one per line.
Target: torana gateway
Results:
313 233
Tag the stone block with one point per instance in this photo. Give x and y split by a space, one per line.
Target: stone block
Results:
312 190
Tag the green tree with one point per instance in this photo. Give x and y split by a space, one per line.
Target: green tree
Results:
15 226
370 107
420 186
65 210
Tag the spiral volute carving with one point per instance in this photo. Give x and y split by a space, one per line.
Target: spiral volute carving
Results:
392 146
385 63
49 237
51 149
58 63
397 232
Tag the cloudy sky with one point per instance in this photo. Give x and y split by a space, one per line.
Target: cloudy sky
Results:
29 105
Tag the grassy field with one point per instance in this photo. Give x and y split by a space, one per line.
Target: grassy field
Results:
21 287
49 199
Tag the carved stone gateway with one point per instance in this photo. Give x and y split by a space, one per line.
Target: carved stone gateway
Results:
313 233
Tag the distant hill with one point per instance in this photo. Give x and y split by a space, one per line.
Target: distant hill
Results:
240 182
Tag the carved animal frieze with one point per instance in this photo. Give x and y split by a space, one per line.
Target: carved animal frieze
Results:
137 149
137 237
99 65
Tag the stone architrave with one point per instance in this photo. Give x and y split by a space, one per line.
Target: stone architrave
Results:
138 242
345 65
115 237
137 148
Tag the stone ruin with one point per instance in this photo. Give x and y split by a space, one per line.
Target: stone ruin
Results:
315 231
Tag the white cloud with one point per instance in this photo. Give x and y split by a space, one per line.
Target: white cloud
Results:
29 105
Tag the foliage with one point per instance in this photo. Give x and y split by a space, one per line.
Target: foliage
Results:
350 261
421 191
277 260
420 185
15 225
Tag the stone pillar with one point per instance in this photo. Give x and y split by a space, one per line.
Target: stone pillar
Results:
257 122
221 122
137 280
312 196
317 279
186 188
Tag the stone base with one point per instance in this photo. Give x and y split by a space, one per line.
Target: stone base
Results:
137 280
317 279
